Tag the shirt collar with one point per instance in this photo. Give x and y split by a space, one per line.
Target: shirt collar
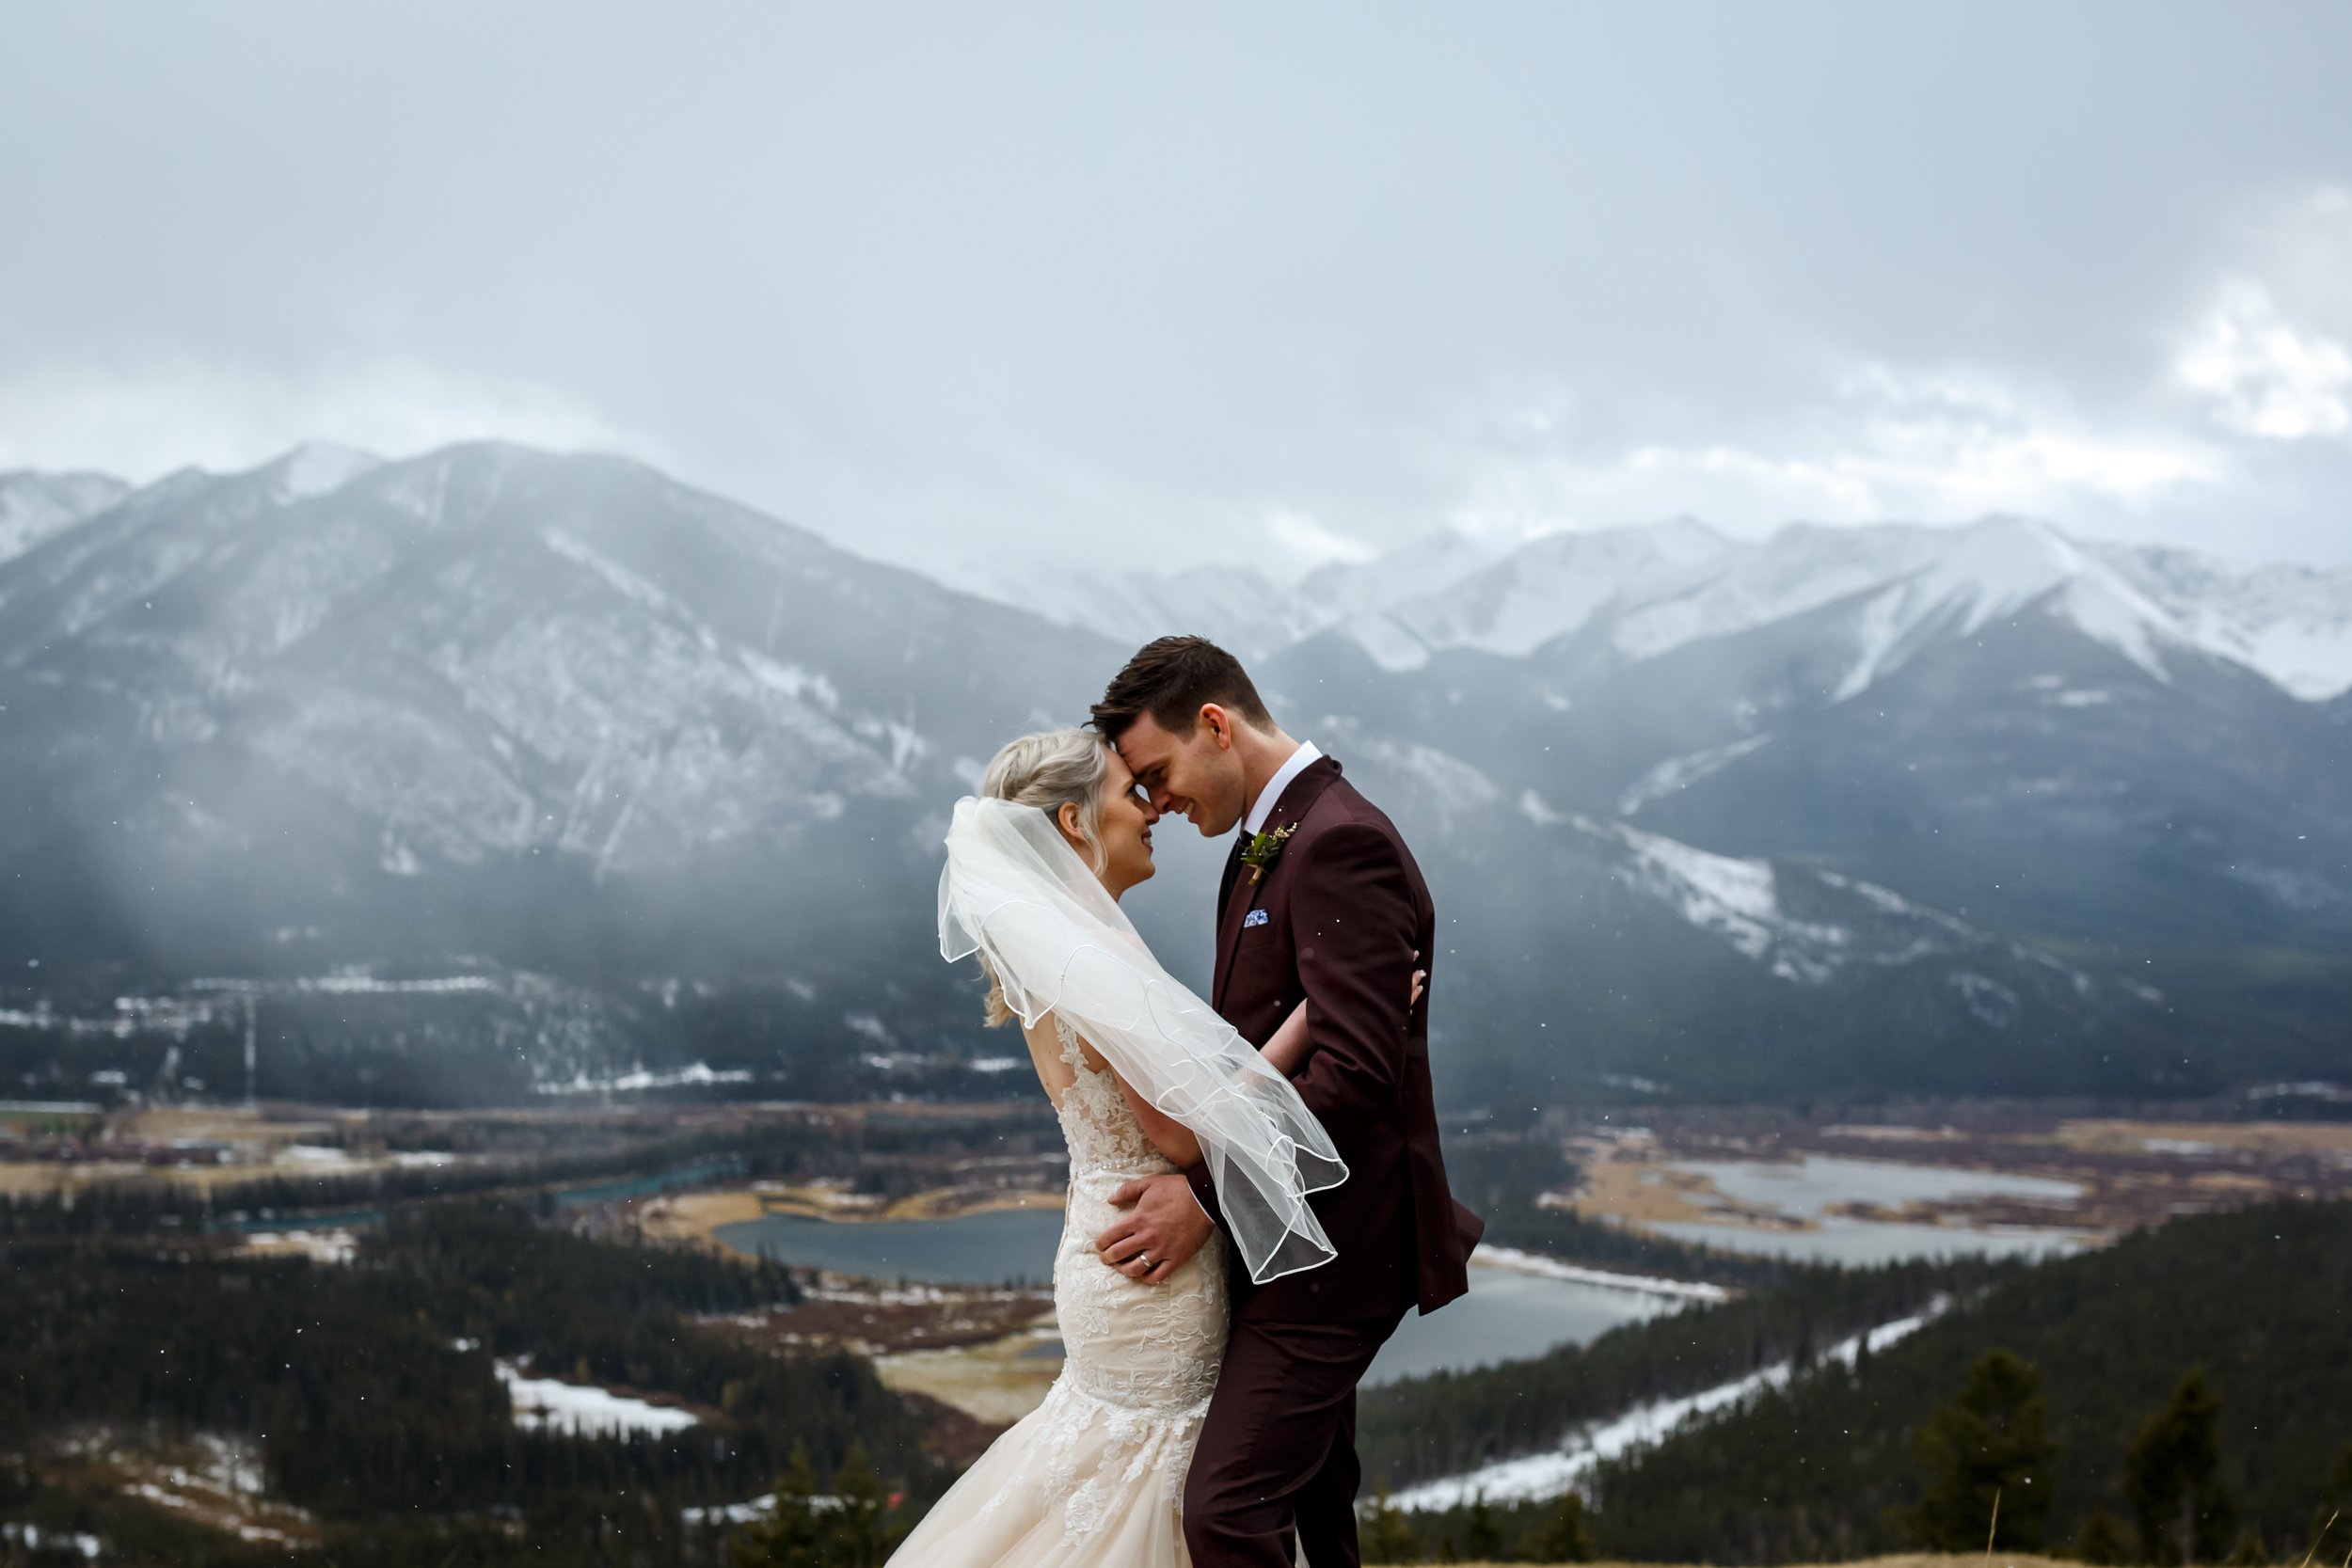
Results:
1272 794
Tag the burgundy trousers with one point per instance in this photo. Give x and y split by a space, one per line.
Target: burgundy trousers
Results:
1278 1449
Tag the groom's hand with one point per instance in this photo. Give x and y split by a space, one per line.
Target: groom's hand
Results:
1162 1228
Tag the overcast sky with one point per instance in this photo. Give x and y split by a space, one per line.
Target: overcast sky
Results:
1124 283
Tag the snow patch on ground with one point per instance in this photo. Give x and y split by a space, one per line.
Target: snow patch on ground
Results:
1537 1478
1738 899
33 1538
584 1409
1453 785
1549 1268
1677 773
641 1077
615 575
1388 645
1537 810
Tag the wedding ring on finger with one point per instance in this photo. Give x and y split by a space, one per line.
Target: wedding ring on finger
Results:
1145 1258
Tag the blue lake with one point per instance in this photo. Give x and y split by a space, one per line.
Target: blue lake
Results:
1507 1316
993 1248
1810 1188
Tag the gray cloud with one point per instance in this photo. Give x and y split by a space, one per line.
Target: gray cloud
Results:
1143 287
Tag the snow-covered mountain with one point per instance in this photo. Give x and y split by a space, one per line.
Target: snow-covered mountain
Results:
1644 591
487 652
1584 952
2292 623
1237 607
32 506
1547 589
581 773
1429 564
492 707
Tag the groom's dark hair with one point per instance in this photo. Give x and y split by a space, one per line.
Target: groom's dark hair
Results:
1169 679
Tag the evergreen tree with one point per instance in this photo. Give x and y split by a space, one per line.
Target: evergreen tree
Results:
1564 1537
863 1531
2101 1543
791 1536
1990 1443
2173 1473
1388 1536
1482 1538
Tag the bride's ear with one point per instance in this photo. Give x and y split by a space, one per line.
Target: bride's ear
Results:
1068 818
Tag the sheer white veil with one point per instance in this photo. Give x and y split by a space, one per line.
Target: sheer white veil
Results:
1016 891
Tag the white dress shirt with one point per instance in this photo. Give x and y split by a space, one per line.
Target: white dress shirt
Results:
1294 766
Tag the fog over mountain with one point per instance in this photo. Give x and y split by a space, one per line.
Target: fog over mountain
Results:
493 774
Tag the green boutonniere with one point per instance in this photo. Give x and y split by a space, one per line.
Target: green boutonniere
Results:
1261 851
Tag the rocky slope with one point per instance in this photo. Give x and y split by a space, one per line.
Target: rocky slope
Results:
547 770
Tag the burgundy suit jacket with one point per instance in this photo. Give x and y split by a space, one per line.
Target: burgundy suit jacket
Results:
1344 910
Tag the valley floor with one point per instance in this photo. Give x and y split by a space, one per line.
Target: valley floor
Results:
1742 1177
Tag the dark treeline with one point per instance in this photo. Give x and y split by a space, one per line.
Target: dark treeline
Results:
2257 1302
1449 1422
368 1413
1559 1530
140 1207
1561 1233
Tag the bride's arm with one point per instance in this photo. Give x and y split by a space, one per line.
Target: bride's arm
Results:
1168 1135
1288 1047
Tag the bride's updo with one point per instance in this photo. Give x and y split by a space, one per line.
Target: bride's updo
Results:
1050 769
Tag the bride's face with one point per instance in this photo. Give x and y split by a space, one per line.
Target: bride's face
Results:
1123 825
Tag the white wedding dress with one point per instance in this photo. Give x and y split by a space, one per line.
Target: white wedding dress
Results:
1095 1476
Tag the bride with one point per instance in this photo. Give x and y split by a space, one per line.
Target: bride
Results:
1146 1080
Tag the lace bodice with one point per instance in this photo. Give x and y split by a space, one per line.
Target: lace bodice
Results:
1152 1347
1101 1128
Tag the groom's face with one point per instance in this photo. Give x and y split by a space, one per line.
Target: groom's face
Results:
1199 774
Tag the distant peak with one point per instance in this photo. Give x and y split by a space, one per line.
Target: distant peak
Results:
316 467
1684 522
2018 525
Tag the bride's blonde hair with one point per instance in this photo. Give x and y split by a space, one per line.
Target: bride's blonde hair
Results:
1049 770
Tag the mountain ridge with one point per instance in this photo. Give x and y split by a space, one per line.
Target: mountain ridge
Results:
660 778
1656 587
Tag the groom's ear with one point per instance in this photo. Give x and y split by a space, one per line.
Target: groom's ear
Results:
1219 724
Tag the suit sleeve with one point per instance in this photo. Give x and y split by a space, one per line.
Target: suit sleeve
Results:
1353 923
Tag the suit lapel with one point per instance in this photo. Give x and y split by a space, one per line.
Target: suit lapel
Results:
1241 892
1225 884
1233 907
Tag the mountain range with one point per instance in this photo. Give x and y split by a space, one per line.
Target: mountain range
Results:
493 772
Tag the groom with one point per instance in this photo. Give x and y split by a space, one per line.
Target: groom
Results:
1321 903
